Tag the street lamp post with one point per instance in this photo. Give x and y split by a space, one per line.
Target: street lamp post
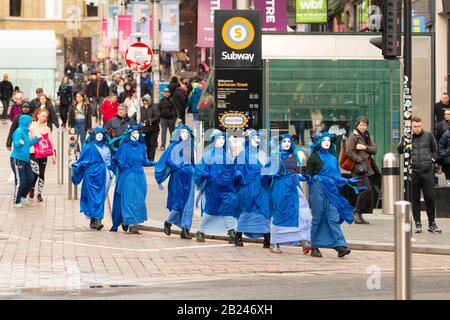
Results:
407 97
155 45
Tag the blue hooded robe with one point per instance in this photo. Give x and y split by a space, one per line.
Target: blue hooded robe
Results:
129 206
291 215
329 208
178 163
253 196
92 167
215 177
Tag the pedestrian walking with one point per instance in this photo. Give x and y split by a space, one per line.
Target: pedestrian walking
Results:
291 215
119 124
442 127
93 167
328 207
80 116
444 154
109 107
126 92
178 163
6 93
360 148
169 114
97 91
178 98
440 106
194 99
25 109
65 95
20 161
215 176
39 127
150 126
15 109
45 103
252 194
132 103
129 208
423 153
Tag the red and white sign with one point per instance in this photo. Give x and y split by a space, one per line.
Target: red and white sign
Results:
139 57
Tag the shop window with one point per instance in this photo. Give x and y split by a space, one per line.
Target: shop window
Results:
15 8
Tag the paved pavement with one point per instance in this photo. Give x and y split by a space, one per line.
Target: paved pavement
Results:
49 247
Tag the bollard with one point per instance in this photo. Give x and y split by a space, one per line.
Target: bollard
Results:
70 182
403 250
60 157
391 182
304 185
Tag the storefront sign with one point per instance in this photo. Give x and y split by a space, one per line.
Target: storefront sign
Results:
205 24
273 15
170 26
311 11
237 38
238 99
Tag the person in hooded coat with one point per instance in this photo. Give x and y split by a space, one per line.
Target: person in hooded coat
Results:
329 208
291 215
178 163
253 196
215 177
93 167
129 208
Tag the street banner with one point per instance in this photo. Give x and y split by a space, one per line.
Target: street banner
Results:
124 31
106 42
273 15
205 24
142 20
113 13
311 11
238 99
170 26
237 39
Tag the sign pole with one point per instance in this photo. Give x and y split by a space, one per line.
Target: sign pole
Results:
407 97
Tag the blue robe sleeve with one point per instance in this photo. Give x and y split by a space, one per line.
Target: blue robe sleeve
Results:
162 169
147 163
79 167
201 174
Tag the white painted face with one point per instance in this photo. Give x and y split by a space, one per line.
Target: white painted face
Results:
135 135
286 144
184 134
220 142
99 136
255 141
326 143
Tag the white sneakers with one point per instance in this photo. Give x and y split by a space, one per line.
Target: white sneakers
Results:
17 205
25 201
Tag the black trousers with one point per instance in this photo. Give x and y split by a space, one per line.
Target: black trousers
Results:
5 103
446 170
151 141
63 111
38 166
424 182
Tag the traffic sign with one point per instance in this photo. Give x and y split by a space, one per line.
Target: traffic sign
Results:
139 57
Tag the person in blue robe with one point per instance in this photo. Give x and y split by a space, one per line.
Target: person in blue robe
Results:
93 167
291 215
329 208
252 196
178 163
216 178
129 208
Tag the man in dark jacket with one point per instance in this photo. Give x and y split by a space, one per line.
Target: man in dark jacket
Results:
442 127
440 107
25 109
97 91
423 155
6 93
150 126
117 125
444 154
178 99
169 115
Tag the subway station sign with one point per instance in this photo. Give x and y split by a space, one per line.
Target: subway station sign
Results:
237 39
238 69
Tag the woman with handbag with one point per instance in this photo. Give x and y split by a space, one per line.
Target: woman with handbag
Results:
359 149
40 152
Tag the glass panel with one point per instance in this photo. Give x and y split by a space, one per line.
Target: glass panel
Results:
29 80
311 96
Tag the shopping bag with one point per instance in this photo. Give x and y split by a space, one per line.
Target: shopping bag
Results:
43 148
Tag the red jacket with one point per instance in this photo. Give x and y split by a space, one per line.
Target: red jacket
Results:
108 110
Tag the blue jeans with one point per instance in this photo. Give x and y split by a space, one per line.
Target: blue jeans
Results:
23 177
80 129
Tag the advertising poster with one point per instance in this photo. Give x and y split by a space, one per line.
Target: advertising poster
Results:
238 97
170 26
311 11
205 25
124 31
273 15
142 20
